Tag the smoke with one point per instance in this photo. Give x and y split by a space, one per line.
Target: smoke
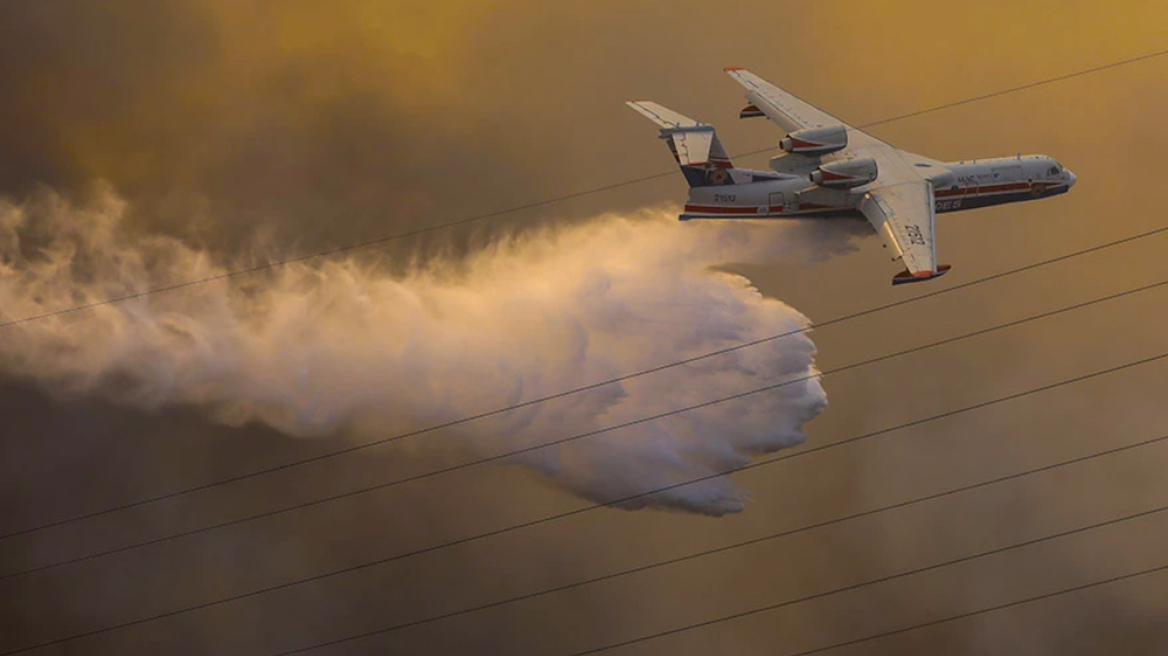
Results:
341 347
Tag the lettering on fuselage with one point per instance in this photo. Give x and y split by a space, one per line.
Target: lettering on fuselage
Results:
948 205
725 198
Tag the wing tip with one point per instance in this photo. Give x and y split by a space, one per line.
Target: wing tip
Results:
907 276
732 69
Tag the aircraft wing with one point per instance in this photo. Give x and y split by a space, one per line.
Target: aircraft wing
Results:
786 110
899 204
789 112
903 216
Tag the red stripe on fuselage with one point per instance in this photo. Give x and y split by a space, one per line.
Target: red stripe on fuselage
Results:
753 210
714 209
993 189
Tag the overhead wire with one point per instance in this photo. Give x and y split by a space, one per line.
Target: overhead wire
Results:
577 511
899 575
729 547
610 381
468 419
588 508
516 452
548 201
983 611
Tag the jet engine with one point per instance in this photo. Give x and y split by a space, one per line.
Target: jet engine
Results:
816 141
847 173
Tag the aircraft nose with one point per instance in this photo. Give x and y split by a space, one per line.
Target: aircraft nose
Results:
1071 179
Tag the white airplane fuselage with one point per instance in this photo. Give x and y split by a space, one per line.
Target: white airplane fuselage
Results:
788 193
830 169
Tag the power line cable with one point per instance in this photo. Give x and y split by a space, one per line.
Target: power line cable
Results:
900 575
464 420
536 204
584 509
727 548
510 454
983 611
481 217
549 201
1022 87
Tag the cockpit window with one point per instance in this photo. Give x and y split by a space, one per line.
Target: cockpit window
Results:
1053 171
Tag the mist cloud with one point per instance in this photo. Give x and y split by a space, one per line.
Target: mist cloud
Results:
342 347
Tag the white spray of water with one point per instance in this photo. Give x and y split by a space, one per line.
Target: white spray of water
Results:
337 347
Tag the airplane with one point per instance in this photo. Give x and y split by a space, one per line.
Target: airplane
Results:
831 169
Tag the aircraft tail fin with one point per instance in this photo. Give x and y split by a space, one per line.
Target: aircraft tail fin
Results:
694 145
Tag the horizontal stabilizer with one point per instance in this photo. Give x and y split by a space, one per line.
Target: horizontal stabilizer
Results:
662 116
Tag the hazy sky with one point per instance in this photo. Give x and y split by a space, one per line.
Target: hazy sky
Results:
246 128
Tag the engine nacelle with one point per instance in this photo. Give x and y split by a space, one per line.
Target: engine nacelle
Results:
816 141
848 173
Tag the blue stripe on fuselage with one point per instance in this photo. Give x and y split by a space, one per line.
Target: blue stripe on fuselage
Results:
957 204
